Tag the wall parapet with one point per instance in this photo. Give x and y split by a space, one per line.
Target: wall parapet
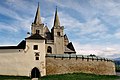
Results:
83 57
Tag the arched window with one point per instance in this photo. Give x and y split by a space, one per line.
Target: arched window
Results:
49 49
35 73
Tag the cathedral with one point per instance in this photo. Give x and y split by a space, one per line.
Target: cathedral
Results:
28 58
56 42
44 52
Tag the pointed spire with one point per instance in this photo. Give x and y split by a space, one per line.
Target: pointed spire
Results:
56 20
37 16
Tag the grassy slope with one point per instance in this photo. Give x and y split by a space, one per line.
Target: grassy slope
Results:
74 76
80 76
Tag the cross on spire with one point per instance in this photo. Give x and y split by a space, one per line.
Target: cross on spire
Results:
37 19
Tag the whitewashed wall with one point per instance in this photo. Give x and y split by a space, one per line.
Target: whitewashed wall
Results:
20 62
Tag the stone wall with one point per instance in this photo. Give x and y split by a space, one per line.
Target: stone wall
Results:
61 65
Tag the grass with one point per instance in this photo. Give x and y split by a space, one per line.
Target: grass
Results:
80 76
3 77
72 76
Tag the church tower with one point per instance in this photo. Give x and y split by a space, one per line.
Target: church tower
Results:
58 35
37 25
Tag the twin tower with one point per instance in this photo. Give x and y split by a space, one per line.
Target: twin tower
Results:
55 40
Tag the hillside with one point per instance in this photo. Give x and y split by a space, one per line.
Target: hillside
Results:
80 76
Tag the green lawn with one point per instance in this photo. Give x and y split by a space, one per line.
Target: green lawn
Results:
14 78
74 76
80 76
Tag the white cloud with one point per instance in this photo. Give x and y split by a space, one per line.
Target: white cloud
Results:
98 14
19 22
94 27
117 35
106 7
10 13
8 27
85 10
24 6
108 51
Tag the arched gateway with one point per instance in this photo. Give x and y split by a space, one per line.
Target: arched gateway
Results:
35 73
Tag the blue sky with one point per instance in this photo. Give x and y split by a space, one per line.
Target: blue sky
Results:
92 25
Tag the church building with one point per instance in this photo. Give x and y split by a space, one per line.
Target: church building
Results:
28 58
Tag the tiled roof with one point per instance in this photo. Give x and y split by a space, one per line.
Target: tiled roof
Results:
67 50
70 46
35 36
21 45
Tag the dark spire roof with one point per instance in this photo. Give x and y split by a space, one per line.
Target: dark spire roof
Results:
37 19
70 46
56 20
36 37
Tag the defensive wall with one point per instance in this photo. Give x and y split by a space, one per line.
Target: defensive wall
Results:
72 63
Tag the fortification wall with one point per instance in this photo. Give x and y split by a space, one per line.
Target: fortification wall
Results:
69 64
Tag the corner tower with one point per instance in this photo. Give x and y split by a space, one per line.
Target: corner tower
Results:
58 35
37 25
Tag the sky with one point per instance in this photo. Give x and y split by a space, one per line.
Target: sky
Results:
93 26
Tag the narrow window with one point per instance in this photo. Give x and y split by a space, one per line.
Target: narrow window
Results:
49 49
58 33
35 47
36 56
37 31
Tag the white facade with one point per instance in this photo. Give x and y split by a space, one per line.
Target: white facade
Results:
20 62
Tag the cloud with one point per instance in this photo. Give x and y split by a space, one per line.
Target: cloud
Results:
16 21
109 7
82 7
108 51
24 6
7 27
19 15
108 11
117 35
9 13
93 25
